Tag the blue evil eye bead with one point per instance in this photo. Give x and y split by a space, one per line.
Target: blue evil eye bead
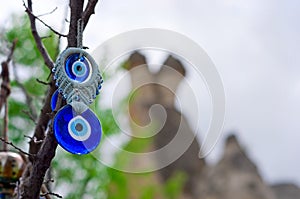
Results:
77 68
77 76
54 100
77 133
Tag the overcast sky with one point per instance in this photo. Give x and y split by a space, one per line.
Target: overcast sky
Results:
255 46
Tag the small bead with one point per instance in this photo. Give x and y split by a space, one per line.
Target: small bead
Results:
53 69
77 98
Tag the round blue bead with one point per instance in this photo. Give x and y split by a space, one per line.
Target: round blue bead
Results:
54 100
77 68
77 133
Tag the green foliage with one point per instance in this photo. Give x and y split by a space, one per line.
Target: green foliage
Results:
173 187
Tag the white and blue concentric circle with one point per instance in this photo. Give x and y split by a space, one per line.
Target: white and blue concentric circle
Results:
79 128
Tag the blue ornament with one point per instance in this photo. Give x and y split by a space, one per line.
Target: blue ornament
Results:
54 100
78 133
77 76
77 129
77 68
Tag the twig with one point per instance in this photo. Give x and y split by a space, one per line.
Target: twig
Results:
12 49
27 136
33 139
5 125
29 11
31 117
42 82
48 13
52 194
14 146
89 10
38 41
45 191
46 37
49 180
5 91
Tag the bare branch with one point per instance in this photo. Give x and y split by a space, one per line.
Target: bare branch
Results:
42 122
42 82
27 136
17 148
89 10
48 26
48 13
53 194
40 164
38 41
12 49
30 116
29 11
76 7
46 37
5 91
49 180
45 192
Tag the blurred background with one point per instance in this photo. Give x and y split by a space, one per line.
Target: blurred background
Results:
254 46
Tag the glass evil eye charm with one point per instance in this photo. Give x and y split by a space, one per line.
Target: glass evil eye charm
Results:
77 133
76 128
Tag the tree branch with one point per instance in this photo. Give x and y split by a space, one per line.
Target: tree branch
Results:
48 13
89 10
45 152
53 194
40 164
14 146
5 91
45 24
76 7
38 41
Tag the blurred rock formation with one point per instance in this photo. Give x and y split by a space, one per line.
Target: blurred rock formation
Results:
286 191
235 176
159 89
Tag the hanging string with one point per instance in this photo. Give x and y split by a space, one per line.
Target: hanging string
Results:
79 33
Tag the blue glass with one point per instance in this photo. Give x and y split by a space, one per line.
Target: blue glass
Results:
77 69
77 133
54 100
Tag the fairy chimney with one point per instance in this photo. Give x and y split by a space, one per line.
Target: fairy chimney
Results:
234 177
172 127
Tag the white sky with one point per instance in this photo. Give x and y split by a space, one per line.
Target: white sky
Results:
255 46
